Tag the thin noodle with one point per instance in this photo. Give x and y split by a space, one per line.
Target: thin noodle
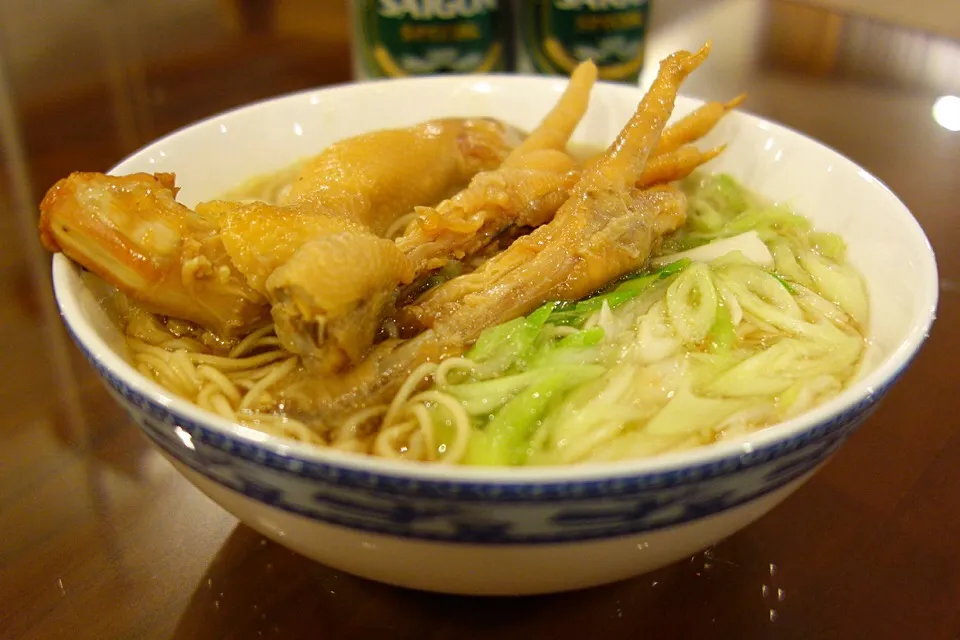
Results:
205 400
223 362
385 441
461 421
288 427
279 373
221 381
406 389
182 374
141 346
163 372
179 359
249 342
221 406
246 379
415 449
352 423
426 429
181 343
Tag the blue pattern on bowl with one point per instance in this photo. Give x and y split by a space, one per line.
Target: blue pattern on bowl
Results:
462 512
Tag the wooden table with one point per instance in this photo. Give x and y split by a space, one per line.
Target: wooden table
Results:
100 538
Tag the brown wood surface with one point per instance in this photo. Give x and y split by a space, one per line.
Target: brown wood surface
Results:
100 538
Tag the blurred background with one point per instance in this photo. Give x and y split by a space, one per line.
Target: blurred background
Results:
85 82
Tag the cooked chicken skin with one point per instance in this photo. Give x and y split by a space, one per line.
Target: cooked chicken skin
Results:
533 182
327 278
329 298
132 232
260 237
377 177
210 266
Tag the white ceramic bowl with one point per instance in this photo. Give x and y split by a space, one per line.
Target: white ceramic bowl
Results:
513 531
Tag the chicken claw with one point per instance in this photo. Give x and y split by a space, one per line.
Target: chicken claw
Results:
526 190
695 125
675 165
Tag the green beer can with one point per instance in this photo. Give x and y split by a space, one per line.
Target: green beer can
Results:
554 36
397 38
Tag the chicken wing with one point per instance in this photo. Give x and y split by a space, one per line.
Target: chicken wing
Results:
327 278
213 266
330 297
379 176
608 227
131 231
210 266
260 237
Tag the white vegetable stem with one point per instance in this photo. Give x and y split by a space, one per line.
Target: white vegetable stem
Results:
749 244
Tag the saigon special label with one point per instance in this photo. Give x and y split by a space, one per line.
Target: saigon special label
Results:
418 37
559 34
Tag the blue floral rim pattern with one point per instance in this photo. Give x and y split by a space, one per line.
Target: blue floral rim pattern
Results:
486 512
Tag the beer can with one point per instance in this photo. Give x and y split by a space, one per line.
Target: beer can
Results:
397 38
554 36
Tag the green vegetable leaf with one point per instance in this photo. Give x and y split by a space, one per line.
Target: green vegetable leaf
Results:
786 285
506 439
722 334
508 345
829 244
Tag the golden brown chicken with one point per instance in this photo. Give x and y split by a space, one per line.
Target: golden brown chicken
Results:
608 227
131 231
326 277
329 298
377 177
674 158
526 190
533 182
210 266
537 176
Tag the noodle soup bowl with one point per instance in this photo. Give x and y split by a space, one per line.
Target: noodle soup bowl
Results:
513 530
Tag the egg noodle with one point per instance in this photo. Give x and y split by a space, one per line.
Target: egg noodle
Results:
242 384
